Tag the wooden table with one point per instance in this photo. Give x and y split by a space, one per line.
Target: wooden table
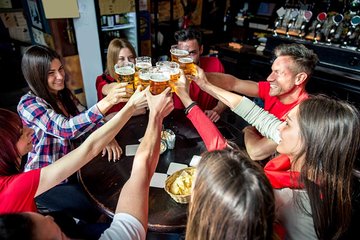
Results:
103 180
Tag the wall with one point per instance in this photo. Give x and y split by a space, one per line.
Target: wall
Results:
88 45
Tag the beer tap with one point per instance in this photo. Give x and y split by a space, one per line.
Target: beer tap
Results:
293 15
281 13
336 20
355 20
321 17
307 16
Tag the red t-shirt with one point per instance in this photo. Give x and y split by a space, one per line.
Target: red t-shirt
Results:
17 192
273 104
205 101
100 82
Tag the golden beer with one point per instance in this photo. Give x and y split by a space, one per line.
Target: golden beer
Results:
177 53
173 69
126 74
159 82
188 66
141 63
138 67
144 77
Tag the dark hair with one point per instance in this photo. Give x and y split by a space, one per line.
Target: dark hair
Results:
113 53
330 130
232 199
304 58
35 67
189 34
10 132
16 226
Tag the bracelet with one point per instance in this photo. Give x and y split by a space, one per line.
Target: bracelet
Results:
187 110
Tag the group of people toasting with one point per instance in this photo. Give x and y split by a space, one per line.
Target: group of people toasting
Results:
306 189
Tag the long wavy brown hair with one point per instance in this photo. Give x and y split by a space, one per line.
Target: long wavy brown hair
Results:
231 199
330 130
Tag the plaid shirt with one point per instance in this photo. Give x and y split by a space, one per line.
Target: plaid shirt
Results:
54 132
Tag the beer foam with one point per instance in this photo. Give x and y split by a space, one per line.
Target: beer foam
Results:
144 76
143 65
185 60
125 71
179 52
159 77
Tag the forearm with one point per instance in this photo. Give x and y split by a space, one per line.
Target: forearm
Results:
71 162
257 146
207 130
266 123
104 105
226 97
38 114
225 81
133 202
149 148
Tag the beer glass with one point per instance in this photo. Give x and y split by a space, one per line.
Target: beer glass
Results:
159 81
144 76
177 53
188 66
174 70
141 63
125 73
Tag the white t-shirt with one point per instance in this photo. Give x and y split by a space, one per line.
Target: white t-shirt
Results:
124 227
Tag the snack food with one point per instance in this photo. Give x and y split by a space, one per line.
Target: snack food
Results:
182 184
178 185
163 146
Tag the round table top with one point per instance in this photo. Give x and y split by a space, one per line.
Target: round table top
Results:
103 180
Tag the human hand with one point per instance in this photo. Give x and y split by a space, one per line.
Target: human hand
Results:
140 111
118 93
138 99
201 79
160 105
212 115
182 84
113 151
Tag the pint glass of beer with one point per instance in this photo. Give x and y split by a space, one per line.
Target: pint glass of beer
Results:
177 53
188 66
174 70
144 77
125 73
141 63
159 81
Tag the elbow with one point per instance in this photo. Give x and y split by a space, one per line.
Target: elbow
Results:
257 154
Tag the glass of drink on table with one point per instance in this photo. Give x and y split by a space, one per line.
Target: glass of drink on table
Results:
174 70
125 73
141 63
159 81
188 66
177 53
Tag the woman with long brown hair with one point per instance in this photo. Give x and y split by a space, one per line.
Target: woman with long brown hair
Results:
60 123
119 51
318 144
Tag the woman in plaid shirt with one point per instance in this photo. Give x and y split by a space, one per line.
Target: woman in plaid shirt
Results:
58 118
